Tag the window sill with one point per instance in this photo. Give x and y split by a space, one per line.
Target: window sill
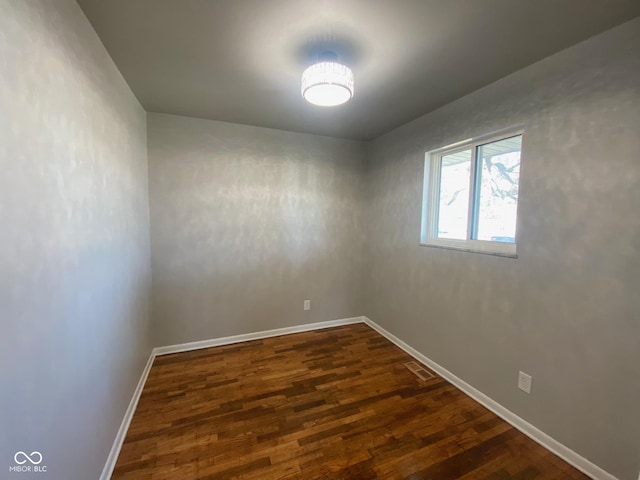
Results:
484 248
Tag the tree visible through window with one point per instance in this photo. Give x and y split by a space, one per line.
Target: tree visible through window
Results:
471 195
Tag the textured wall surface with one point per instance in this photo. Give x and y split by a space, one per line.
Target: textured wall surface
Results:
567 310
74 241
248 222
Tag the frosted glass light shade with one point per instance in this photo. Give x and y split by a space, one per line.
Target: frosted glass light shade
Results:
327 84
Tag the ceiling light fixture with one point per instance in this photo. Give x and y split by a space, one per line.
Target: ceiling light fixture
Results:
327 83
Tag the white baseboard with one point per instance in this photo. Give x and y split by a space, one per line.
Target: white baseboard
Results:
107 471
216 342
568 455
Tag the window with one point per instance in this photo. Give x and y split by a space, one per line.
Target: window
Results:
471 195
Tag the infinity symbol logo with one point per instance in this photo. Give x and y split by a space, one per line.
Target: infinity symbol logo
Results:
30 458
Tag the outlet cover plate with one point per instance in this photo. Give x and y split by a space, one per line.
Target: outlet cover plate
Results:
524 382
307 305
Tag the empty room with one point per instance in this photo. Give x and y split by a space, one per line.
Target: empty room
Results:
319 239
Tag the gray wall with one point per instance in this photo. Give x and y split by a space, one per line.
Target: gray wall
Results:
248 222
567 310
74 241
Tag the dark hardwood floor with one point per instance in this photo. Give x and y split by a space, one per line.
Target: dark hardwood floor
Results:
329 404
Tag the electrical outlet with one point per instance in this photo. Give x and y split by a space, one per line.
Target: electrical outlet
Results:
307 305
524 382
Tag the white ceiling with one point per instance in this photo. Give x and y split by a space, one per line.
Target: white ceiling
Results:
241 60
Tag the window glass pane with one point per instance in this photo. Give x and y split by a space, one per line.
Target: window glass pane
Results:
497 180
453 210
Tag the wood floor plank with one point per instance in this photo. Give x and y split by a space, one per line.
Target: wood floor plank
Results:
328 404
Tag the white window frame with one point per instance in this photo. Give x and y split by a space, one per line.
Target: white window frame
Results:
431 198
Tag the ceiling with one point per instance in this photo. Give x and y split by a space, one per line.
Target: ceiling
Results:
241 60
